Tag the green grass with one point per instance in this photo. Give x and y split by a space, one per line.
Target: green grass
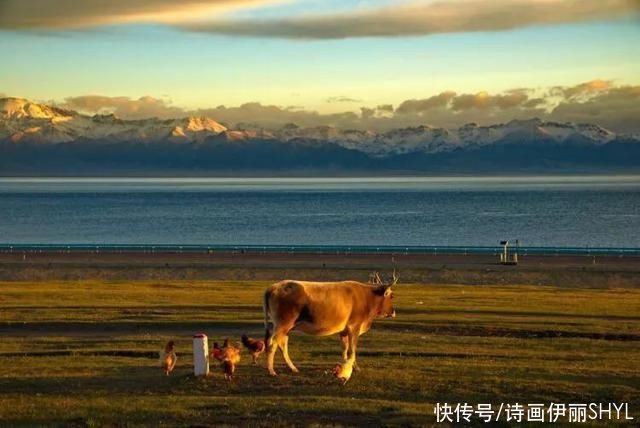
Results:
83 353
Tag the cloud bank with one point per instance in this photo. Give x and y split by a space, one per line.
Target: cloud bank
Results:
405 18
78 14
616 107
124 107
424 18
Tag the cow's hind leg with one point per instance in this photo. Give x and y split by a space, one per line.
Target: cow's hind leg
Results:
279 339
284 346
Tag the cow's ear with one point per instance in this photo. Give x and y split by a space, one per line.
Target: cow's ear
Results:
387 292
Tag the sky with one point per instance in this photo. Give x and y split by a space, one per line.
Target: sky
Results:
352 63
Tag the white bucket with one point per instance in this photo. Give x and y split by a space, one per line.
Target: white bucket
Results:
200 355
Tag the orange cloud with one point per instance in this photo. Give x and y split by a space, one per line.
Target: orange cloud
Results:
587 88
76 14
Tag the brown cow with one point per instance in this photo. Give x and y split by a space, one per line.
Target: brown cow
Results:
346 308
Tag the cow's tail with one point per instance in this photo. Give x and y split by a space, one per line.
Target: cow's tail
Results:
265 308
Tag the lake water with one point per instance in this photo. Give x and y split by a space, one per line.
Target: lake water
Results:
596 211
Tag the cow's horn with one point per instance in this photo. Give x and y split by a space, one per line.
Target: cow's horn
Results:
394 279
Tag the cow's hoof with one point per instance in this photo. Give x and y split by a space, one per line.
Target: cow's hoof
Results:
295 370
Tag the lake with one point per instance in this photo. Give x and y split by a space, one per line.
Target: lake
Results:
594 211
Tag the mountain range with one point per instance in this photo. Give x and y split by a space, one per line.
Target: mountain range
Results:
38 139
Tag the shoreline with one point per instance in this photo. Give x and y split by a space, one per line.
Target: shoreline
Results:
475 269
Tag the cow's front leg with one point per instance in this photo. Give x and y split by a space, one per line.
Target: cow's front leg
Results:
353 343
344 371
344 343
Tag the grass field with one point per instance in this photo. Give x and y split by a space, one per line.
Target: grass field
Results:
85 354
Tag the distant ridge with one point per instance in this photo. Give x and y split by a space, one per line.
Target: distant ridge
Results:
38 139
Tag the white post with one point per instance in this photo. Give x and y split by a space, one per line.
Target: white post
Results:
200 355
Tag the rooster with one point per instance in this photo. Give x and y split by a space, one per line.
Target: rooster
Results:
230 358
228 355
168 358
255 347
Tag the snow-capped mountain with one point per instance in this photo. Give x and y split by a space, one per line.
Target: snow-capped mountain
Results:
427 139
423 139
24 121
21 120
20 109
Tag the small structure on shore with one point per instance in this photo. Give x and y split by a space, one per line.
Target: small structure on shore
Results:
508 257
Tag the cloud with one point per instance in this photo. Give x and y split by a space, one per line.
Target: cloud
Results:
124 107
449 107
403 18
534 102
596 101
617 108
342 99
383 111
423 18
586 88
482 100
451 110
611 106
416 106
272 116
614 107
385 108
76 14
367 113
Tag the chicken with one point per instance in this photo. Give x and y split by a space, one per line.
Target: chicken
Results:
230 358
168 358
343 371
255 347
228 355
216 352
229 369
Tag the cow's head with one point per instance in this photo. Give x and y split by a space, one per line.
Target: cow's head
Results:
384 291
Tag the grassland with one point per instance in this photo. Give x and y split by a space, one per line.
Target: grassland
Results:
85 354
